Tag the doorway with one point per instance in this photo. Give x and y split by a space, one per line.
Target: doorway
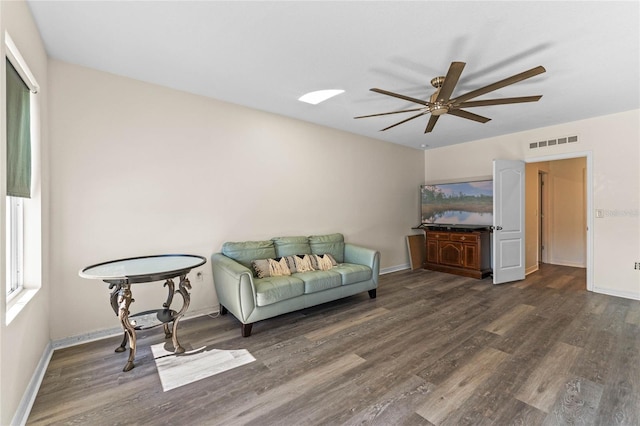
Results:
559 226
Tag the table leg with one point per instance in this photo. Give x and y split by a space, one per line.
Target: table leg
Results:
183 289
167 305
124 300
113 299
123 345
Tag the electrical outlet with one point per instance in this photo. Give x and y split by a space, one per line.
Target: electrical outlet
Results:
637 265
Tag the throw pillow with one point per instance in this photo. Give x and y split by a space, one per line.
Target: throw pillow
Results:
260 268
263 268
324 261
278 267
303 263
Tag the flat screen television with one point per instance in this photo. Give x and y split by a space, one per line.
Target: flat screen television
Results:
461 204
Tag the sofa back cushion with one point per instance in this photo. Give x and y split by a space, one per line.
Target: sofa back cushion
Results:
290 246
245 252
331 243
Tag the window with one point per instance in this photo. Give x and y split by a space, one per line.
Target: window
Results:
21 90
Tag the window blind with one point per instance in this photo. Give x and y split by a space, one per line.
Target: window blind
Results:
18 135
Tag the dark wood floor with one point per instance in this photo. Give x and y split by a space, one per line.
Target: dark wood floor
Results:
431 349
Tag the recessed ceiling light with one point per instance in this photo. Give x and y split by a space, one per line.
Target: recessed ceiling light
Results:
318 96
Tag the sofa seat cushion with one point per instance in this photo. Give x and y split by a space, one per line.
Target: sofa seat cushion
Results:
275 289
315 281
353 273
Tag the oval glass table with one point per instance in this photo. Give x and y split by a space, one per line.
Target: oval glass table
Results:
123 273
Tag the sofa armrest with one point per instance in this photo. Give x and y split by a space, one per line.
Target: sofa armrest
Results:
363 256
234 286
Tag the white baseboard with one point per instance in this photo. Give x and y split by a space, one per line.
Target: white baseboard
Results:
24 409
396 268
531 269
86 338
617 293
569 263
110 332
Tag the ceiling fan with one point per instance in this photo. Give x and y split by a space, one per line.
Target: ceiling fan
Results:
441 102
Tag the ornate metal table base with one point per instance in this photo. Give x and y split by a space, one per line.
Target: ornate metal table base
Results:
121 299
122 274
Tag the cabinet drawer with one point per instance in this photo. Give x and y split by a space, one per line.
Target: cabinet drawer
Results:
465 238
438 235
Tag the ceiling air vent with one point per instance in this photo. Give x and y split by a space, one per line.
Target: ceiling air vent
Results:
553 142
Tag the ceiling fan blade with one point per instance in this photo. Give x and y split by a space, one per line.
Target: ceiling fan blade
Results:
431 124
500 84
502 101
403 121
468 115
450 81
387 113
397 95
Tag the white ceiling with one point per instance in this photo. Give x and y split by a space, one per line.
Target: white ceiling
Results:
264 55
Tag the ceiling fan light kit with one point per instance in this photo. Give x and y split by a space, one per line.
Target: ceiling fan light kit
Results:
440 102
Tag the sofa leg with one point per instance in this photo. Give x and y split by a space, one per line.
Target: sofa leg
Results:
223 310
372 293
246 330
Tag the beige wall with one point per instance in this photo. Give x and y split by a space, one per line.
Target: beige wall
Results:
25 340
612 143
138 169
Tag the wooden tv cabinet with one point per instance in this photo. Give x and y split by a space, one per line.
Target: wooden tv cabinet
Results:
466 253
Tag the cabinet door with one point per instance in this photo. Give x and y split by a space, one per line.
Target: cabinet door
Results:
432 251
450 253
471 258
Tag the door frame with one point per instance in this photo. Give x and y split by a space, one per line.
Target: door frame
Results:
543 216
588 156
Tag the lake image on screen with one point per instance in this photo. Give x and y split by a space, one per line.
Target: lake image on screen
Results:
468 203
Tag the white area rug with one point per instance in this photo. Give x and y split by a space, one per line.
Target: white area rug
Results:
178 370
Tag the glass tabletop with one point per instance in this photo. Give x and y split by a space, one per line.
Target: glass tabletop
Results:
143 269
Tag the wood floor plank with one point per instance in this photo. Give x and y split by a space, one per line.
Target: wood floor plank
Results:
396 406
633 316
509 320
577 404
619 402
560 281
448 395
274 398
543 386
325 332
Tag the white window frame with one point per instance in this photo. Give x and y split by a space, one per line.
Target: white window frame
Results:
26 261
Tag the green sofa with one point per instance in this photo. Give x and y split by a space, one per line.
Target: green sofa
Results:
256 280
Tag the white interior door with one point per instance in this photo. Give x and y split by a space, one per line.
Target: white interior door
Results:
508 221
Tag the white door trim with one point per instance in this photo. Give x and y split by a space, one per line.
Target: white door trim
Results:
588 155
